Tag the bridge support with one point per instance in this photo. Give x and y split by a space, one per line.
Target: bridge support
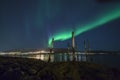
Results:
73 46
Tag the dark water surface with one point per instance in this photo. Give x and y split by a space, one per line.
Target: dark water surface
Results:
112 60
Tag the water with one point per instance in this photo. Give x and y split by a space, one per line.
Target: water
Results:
111 60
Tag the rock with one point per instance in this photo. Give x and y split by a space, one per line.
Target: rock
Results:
12 75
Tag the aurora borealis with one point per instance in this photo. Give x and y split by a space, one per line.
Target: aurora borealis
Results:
33 23
96 23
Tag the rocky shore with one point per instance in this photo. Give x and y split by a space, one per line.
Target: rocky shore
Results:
31 69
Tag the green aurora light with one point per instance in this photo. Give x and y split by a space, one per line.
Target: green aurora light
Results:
103 19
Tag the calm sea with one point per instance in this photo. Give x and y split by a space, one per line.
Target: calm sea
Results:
112 60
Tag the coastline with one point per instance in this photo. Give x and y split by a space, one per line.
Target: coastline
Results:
32 69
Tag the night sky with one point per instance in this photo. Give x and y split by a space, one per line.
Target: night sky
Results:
33 23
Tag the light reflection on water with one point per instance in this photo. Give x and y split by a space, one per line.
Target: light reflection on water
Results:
105 59
58 57
102 58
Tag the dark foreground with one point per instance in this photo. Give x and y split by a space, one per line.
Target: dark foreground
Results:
30 69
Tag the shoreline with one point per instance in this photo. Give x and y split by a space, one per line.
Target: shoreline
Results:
32 69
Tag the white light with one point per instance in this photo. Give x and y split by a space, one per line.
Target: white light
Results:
42 51
42 57
37 56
